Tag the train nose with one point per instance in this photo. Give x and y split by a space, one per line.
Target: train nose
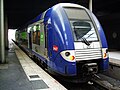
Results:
90 68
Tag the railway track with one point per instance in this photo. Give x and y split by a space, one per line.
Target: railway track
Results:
105 82
97 83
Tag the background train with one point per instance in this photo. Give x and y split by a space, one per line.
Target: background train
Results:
68 39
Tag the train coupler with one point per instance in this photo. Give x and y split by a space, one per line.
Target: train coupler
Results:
90 68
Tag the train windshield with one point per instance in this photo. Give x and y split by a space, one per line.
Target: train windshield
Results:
82 26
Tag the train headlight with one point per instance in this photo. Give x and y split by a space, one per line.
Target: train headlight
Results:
68 55
105 53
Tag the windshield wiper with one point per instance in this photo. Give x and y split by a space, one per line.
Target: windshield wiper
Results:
90 35
85 41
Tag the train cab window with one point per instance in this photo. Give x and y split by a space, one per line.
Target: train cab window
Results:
81 28
81 24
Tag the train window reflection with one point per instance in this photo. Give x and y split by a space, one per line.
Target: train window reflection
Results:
36 35
83 29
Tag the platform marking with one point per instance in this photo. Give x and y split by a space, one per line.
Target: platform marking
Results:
32 69
26 64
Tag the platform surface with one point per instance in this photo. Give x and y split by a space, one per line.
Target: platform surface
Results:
21 73
114 57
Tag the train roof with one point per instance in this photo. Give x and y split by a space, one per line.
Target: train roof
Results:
57 5
69 5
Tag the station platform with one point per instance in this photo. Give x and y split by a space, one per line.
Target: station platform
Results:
114 58
21 73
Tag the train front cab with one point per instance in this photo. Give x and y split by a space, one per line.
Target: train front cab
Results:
79 43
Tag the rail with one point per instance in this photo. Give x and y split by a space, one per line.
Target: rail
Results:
105 84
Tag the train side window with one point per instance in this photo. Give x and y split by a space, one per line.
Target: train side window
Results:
34 37
41 33
36 34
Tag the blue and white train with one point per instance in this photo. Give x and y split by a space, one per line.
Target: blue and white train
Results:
68 39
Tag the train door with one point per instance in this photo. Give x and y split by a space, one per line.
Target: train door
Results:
43 40
36 38
43 36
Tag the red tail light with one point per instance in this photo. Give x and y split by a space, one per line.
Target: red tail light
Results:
55 48
72 57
